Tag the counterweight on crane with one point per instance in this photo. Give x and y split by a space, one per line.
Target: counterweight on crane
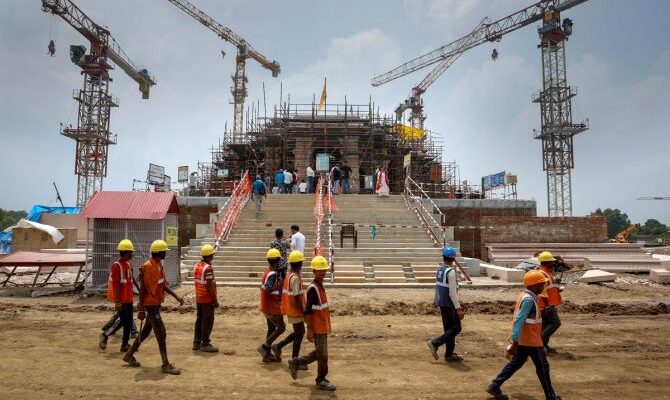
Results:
555 99
244 51
92 133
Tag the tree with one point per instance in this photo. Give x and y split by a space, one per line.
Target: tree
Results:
616 220
653 227
10 217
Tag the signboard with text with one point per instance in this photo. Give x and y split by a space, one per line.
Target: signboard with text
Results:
493 181
156 175
323 162
182 173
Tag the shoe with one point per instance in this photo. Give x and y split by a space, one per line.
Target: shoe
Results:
303 367
131 360
495 391
549 350
208 348
453 358
102 342
170 369
196 346
433 349
293 368
133 335
325 385
125 348
276 351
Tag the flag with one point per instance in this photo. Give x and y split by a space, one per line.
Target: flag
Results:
324 95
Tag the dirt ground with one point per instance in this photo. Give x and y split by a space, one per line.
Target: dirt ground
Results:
614 344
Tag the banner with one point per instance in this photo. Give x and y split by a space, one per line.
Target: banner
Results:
171 235
493 181
323 162
222 172
407 160
156 175
182 174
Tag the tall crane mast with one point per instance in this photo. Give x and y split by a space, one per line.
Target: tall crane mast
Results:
92 133
244 51
557 130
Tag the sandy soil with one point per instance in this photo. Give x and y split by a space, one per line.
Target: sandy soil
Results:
613 344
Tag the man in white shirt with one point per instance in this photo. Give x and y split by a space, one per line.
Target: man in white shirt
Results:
288 179
302 187
297 239
311 179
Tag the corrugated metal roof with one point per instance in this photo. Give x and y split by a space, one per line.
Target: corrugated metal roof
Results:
131 205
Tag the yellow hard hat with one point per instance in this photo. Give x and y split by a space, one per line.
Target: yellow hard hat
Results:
207 250
534 277
125 245
158 245
546 256
273 254
296 256
319 263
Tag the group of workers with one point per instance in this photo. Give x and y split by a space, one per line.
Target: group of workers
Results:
282 292
534 321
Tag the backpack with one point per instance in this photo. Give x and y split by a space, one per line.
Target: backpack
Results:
262 191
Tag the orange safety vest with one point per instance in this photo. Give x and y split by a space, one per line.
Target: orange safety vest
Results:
271 300
531 333
153 280
551 296
320 316
120 276
202 295
288 303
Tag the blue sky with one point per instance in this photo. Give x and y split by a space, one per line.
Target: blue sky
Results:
617 58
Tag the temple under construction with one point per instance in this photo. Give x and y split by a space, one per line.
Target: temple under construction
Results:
355 135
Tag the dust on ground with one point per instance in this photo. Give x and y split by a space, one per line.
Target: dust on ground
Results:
614 343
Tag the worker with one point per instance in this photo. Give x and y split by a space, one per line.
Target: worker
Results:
526 338
550 299
120 292
317 317
446 297
152 287
271 285
259 193
292 305
205 299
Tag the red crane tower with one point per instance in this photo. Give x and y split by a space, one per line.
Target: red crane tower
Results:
92 133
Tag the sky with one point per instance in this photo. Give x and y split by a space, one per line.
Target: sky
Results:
617 58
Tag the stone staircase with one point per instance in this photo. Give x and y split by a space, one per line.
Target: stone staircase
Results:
399 244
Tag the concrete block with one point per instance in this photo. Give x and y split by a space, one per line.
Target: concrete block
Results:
473 265
597 276
659 275
201 230
503 273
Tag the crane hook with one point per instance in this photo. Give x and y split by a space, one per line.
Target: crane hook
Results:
52 48
494 55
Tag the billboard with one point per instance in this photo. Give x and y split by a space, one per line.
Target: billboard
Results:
167 184
493 181
156 175
323 162
407 160
182 174
222 172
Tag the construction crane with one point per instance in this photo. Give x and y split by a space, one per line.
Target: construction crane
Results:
557 130
654 198
244 51
414 103
92 133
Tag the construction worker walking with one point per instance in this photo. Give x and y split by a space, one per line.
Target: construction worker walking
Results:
205 299
446 297
292 305
271 286
550 299
153 286
120 291
526 338
317 317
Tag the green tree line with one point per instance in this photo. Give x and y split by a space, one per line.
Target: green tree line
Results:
618 221
10 217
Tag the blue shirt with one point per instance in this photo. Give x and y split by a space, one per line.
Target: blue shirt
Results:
279 178
258 184
526 309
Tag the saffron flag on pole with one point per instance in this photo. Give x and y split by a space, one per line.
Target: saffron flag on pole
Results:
324 95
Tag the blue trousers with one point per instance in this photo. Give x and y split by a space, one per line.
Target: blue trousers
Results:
539 358
312 185
452 327
346 188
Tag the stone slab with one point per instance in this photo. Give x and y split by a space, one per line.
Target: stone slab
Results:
597 276
502 273
659 275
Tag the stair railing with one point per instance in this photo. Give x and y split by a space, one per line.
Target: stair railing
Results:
318 216
331 247
230 212
414 197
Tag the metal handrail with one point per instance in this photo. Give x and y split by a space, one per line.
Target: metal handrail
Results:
232 209
409 195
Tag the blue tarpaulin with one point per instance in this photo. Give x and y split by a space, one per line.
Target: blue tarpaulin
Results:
34 215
